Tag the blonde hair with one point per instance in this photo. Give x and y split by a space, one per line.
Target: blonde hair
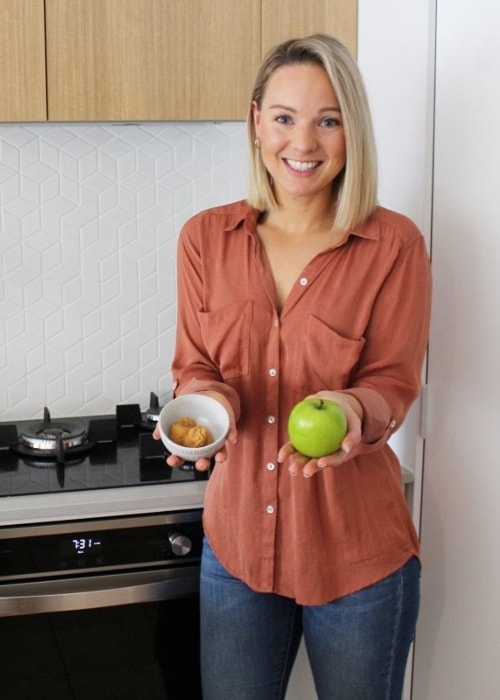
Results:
355 188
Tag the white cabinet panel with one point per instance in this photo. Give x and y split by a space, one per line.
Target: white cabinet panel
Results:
456 651
396 57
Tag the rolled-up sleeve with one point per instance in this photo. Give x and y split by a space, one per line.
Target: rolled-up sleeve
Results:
388 377
193 369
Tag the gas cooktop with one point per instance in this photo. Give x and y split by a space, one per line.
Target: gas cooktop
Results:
86 453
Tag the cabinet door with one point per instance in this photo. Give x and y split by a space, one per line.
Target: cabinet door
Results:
283 19
22 61
150 59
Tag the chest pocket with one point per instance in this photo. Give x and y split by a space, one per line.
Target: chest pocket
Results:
226 335
328 359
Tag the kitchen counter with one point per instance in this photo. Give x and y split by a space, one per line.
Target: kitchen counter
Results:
111 502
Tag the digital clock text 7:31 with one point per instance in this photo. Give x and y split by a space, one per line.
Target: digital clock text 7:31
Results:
85 544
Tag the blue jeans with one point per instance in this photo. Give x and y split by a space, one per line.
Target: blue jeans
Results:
357 646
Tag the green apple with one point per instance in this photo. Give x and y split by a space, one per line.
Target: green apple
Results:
316 427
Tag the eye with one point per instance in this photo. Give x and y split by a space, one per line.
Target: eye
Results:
283 119
330 122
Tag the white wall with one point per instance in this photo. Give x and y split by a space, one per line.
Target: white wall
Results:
457 653
89 218
396 56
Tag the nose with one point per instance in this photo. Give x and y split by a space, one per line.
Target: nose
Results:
304 138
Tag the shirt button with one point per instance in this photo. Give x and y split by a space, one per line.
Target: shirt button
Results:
392 424
272 372
303 281
270 466
270 510
276 323
271 420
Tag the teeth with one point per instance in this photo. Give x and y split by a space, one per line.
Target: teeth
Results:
299 165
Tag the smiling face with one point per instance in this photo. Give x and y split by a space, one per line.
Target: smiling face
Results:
299 126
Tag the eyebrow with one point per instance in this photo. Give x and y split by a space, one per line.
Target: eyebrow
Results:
291 109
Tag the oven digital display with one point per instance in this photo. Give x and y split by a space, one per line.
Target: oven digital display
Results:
82 545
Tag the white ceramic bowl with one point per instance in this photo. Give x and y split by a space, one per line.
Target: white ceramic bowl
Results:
204 411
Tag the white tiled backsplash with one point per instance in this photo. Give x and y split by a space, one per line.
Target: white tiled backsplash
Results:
89 219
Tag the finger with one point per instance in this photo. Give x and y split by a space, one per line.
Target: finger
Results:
202 464
334 460
314 466
310 469
174 461
286 451
297 463
347 444
232 435
220 456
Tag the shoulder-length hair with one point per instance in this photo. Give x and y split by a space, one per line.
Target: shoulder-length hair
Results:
355 188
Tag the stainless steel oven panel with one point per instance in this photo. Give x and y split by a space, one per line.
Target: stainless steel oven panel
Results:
102 562
106 523
97 591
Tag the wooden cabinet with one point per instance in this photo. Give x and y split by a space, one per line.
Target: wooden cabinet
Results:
139 60
22 62
150 59
283 19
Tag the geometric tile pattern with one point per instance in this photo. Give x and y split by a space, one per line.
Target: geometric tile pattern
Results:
89 219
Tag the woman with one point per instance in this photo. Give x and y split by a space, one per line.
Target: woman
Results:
306 289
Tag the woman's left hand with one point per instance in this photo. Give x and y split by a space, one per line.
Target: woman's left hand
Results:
311 466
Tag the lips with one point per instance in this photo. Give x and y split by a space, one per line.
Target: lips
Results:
302 166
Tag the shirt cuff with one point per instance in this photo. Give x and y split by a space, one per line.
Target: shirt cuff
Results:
378 421
196 386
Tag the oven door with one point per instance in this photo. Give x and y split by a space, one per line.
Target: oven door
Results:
131 652
125 588
101 609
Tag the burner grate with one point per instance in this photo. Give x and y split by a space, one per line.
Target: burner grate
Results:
52 435
47 442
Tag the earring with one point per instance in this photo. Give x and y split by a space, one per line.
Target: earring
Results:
256 143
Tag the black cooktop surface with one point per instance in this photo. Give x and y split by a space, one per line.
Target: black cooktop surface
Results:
116 451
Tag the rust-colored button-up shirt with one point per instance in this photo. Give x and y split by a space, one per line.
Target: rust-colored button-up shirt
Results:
356 320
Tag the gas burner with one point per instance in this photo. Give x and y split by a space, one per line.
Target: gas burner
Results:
49 435
55 441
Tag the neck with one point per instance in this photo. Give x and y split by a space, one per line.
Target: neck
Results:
301 217
305 213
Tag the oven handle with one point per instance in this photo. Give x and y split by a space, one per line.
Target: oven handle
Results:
98 591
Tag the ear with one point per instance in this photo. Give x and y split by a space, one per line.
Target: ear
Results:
256 117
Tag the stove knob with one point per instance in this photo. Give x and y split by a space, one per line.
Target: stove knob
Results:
181 544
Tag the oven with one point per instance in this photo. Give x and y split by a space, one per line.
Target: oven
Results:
100 545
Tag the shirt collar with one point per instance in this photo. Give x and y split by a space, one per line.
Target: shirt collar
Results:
370 228
242 213
245 213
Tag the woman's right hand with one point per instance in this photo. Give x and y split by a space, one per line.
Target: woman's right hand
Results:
203 464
